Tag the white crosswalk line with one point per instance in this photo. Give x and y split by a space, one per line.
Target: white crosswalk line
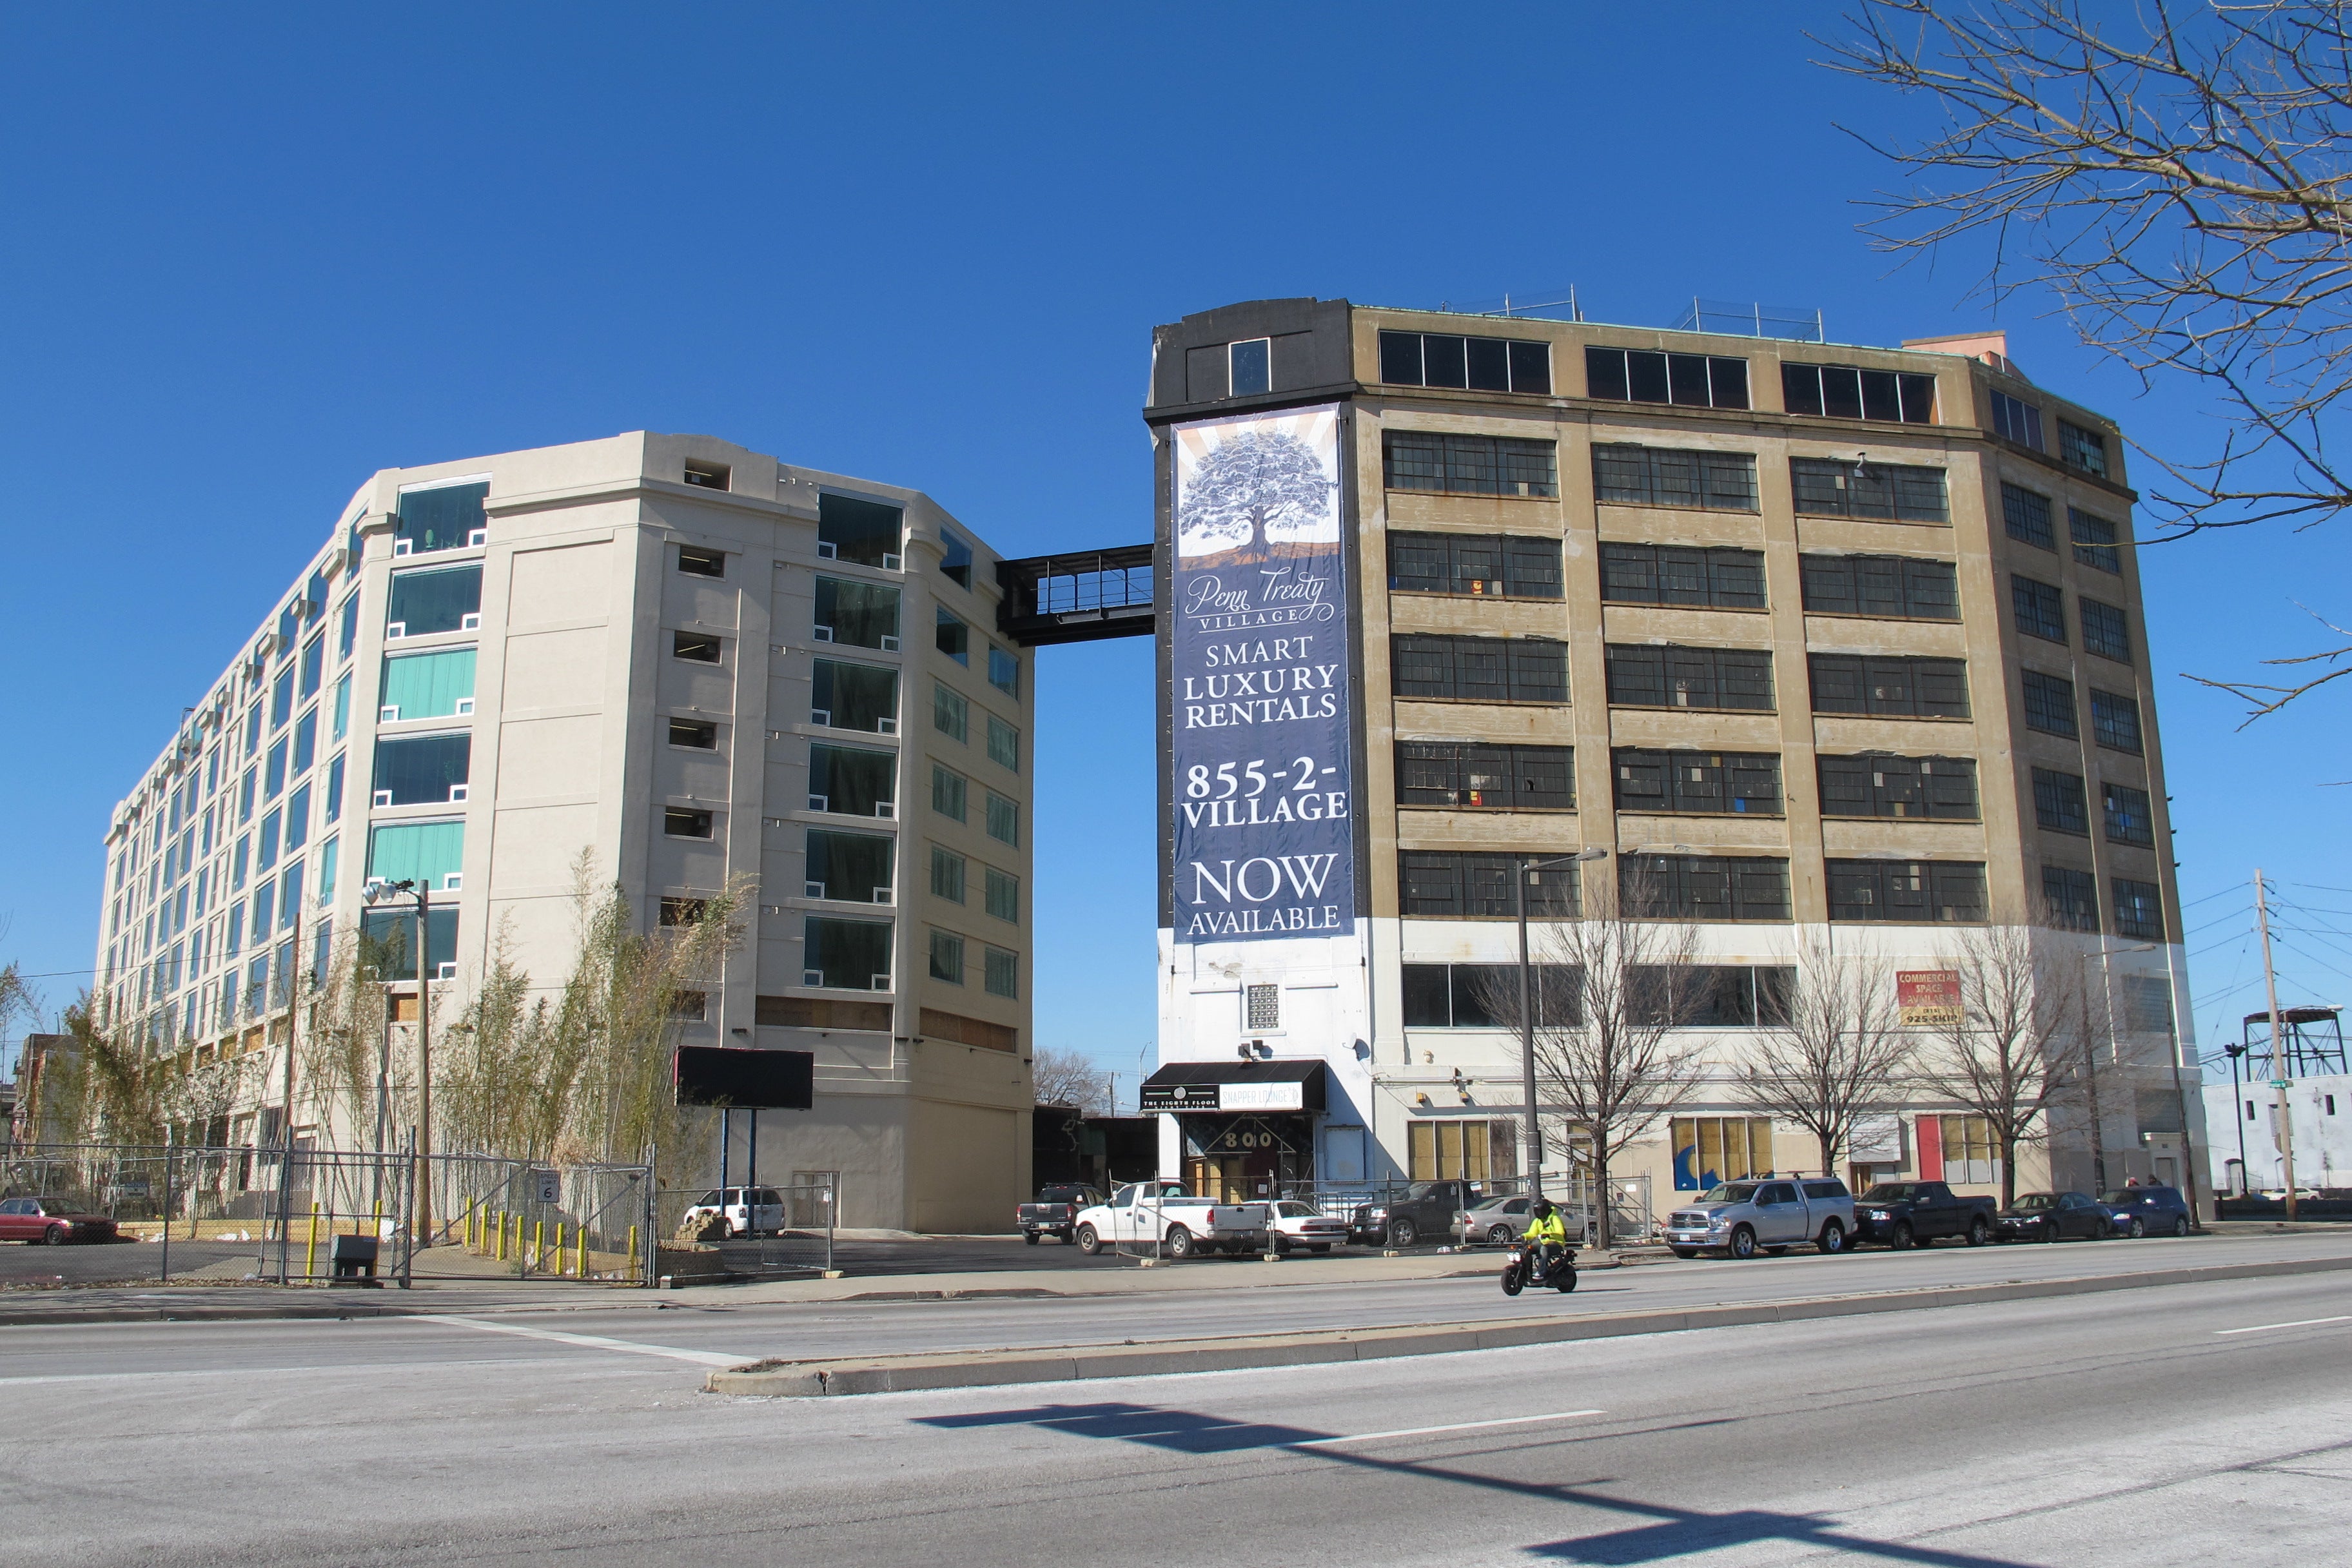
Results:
587 1341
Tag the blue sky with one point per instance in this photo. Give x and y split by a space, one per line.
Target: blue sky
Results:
255 255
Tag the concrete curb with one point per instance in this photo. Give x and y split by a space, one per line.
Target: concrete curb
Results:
899 1374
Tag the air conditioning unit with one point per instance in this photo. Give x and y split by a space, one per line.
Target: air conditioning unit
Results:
811 976
826 551
813 889
886 808
396 629
472 623
890 644
820 803
822 634
388 715
886 726
820 716
478 536
894 564
401 546
465 706
457 791
383 797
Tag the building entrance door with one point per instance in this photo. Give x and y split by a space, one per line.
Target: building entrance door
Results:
1248 1158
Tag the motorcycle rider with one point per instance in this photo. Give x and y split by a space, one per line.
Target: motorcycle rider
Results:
1545 1236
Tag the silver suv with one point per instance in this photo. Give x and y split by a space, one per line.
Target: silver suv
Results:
1771 1213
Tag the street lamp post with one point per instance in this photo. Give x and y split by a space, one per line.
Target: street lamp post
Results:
1530 1140
2237 1107
421 889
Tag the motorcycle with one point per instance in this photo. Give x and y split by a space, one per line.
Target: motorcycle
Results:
1524 1266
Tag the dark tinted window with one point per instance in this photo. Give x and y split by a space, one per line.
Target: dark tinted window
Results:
1696 782
446 517
1440 884
856 866
1479 777
857 615
1704 886
1469 465
1896 586
2049 704
1460 997
1943 788
2115 722
2059 803
2129 819
2026 515
1889 687
2072 898
1877 491
694 645
697 734
423 603
416 770
1648 375
702 562
1485 365
853 697
2095 541
2139 909
1907 891
862 531
1666 477
2084 450
680 821
1481 670
2104 630
1643 676
2039 608
1717 579
852 782
1845 392
1479 565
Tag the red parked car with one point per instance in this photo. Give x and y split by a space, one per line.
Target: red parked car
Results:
52 1220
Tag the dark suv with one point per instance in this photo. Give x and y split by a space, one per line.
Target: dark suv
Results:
2146 1210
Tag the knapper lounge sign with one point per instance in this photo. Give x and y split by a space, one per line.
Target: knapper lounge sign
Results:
1263 831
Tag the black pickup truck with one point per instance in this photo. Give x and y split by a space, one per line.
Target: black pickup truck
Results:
1055 1213
1897 1213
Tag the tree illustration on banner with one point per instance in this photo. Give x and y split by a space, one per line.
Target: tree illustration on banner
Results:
1251 484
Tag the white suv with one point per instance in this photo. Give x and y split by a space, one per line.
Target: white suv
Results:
749 1211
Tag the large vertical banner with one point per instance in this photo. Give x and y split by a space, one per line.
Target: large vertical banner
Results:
1265 833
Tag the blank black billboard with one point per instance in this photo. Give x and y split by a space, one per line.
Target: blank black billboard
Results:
745 1080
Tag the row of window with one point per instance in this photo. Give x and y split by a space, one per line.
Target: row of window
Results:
2014 419
1630 474
2061 804
1705 996
2026 515
1649 375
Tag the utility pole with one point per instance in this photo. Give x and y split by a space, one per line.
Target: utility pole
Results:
424 1060
2091 1071
2278 1048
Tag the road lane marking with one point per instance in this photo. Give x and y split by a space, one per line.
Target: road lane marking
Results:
2298 1324
1430 1431
587 1341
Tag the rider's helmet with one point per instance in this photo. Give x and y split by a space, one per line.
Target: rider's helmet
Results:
1541 1209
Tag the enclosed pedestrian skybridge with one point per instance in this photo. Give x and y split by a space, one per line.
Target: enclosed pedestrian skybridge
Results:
1082 596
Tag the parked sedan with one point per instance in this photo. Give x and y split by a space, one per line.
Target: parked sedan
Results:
1496 1222
2147 1211
2053 1216
51 1220
1298 1226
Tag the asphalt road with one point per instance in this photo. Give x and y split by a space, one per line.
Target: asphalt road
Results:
2191 1423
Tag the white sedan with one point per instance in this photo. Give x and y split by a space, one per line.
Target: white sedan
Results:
1296 1225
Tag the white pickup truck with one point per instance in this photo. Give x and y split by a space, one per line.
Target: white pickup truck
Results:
1143 1213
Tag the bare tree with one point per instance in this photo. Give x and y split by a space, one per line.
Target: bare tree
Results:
1065 1077
2178 176
1836 1053
2005 1058
1608 992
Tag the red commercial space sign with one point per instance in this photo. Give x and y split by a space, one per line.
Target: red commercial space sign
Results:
1928 996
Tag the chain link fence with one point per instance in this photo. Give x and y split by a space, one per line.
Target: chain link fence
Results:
765 1232
316 1216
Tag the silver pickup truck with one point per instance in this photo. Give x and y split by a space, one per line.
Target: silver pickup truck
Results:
1769 1213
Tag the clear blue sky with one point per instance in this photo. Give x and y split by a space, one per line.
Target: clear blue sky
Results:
255 255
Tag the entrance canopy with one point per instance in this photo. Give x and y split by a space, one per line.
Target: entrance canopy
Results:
1236 1085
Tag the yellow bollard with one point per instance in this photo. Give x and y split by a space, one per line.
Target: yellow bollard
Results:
469 1228
559 1247
582 1248
632 1252
310 1257
539 1244
502 1235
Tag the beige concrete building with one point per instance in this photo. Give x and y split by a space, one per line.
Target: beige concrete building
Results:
693 662
1826 642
